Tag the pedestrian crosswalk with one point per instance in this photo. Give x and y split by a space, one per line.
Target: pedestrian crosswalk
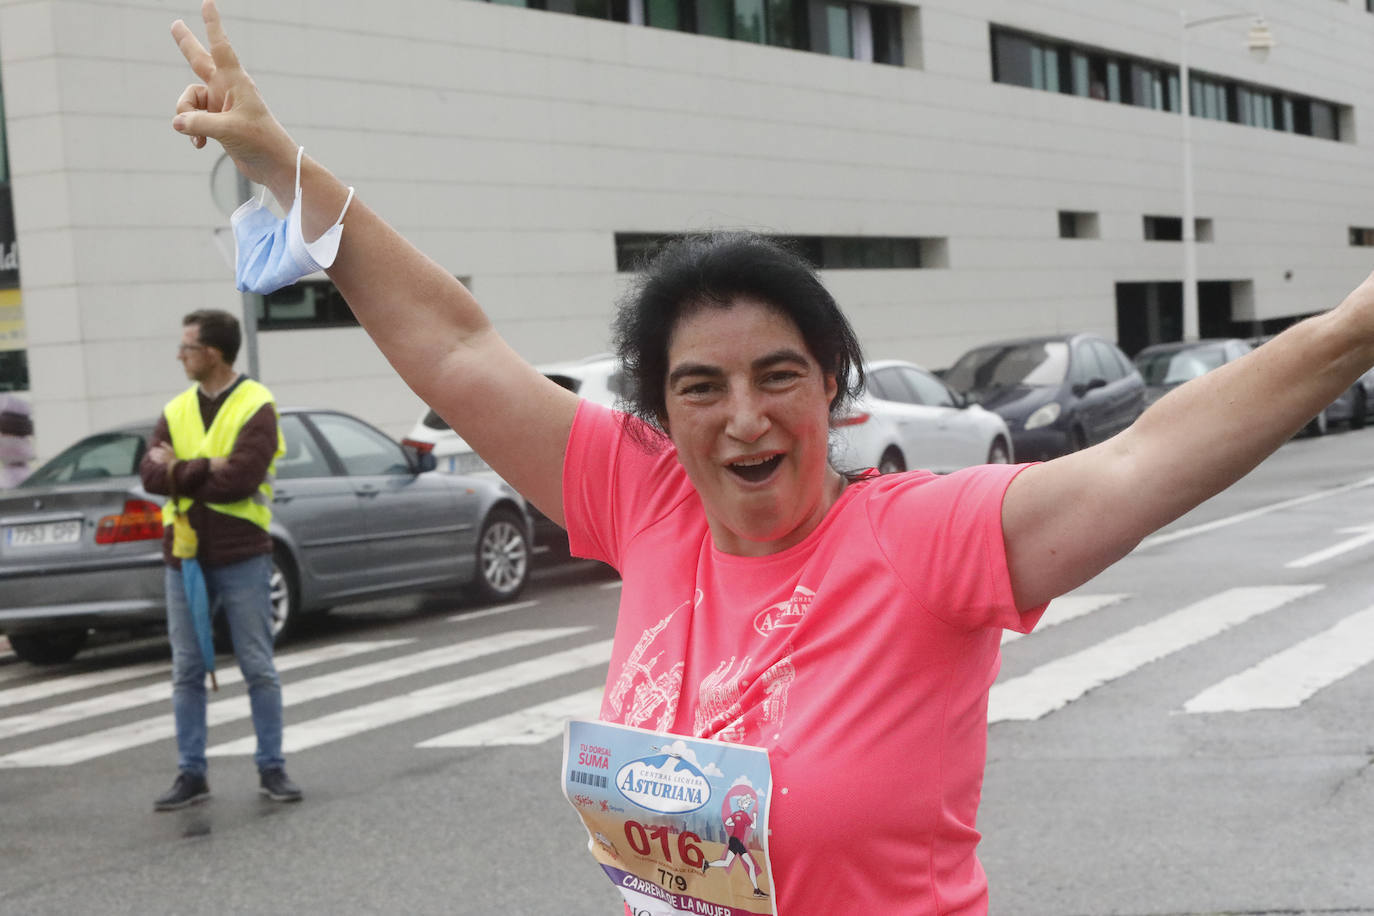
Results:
371 685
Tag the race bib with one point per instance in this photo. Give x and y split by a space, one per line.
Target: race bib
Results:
679 825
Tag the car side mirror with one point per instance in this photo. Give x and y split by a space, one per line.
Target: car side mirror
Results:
419 461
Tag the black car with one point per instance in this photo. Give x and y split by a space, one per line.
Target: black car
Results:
1057 394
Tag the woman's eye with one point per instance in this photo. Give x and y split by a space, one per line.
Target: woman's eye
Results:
697 388
781 376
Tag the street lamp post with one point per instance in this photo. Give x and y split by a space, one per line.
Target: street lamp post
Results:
1260 42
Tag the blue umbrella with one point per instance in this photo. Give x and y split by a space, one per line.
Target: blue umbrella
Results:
198 600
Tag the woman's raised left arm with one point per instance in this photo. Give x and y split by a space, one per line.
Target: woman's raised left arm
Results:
1068 519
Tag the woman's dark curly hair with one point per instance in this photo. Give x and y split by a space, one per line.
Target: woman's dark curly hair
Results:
709 271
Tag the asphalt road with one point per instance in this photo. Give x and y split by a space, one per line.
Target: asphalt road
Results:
1189 733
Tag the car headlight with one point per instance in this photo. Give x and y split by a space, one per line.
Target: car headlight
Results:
1043 416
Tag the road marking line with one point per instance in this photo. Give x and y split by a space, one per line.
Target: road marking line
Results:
1056 684
492 611
1066 608
1155 540
348 722
162 691
231 709
533 725
54 686
1366 536
1288 679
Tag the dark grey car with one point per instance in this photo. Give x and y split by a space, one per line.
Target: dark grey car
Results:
1058 394
355 516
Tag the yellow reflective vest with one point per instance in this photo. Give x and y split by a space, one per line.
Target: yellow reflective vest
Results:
191 439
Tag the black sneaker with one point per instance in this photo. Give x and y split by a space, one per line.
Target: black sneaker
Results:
276 786
189 789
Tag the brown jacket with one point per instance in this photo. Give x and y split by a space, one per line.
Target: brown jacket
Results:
223 538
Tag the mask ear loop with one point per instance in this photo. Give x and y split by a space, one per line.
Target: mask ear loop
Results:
300 153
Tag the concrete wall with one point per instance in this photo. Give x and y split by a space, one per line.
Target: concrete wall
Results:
512 144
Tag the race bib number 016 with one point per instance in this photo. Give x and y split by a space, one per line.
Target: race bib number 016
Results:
679 825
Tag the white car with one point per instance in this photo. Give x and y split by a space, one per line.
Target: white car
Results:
908 418
597 378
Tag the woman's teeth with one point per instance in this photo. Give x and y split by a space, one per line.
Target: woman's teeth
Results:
755 469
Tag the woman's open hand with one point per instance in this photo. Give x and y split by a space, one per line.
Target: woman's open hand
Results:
226 106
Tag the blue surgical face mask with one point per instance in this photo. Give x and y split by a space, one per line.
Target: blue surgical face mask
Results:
270 253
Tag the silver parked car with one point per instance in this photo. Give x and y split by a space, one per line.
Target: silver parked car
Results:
355 516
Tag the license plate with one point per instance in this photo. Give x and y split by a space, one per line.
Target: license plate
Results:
43 534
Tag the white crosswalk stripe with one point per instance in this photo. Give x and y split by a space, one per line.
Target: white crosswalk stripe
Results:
162 691
303 735
1064 609
231 709
54 686
1286 680
532 725
1058 683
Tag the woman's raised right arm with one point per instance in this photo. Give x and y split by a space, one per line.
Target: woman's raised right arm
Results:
426 323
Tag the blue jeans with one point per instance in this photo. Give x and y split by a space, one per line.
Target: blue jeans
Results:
242 592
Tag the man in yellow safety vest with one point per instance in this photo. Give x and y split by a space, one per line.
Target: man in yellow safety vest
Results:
213 454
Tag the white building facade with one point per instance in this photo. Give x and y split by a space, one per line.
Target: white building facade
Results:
961 170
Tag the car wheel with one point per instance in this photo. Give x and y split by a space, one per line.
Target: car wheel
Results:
1078 440
1316 426
892 462
48 648
503 557
999 453
285 595
1359 412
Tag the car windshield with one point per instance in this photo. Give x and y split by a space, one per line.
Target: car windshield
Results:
1172 367
1040 363
93 458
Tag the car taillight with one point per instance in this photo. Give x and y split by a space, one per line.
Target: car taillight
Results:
853 419
419 446
140 521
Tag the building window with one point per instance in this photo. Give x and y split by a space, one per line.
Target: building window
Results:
14 370
1078 225
824 252
1170 229
307 304
1048 64
862 31
1362 236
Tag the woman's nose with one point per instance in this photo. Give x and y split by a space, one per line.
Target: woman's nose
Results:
748 420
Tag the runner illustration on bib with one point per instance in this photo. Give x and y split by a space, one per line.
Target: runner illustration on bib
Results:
738 818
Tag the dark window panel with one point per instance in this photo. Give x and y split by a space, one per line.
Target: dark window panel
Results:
1011 59
824 252
715 17
887 35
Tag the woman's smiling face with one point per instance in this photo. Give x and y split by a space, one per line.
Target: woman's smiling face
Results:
748 408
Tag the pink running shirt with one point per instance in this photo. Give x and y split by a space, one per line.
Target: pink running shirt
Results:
861 658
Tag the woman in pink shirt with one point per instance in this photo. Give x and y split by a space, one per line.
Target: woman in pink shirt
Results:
847 623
